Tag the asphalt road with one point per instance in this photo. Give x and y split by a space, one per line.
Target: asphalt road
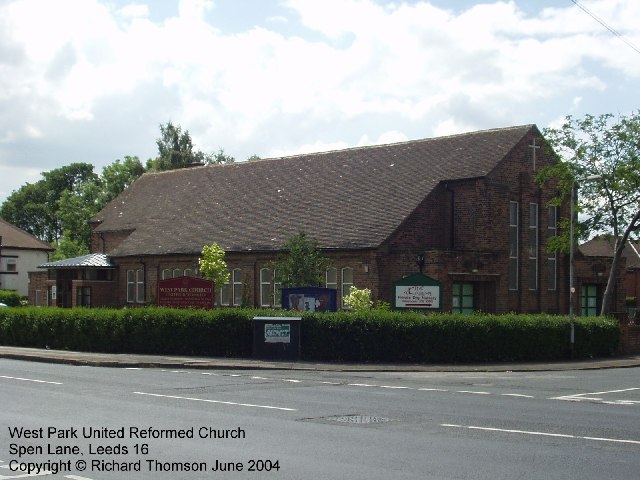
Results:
317 425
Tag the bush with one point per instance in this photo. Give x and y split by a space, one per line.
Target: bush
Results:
363 336
10 298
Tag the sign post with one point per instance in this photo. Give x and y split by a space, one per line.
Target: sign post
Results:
185 292
417 292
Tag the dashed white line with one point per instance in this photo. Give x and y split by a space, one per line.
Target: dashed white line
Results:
473 392
30 380
543 434
270 407
518 395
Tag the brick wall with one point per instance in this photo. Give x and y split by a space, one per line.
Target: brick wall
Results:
629 337
38 282
249 264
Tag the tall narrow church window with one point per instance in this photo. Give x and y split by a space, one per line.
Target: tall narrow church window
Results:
533 246
332 278
140 286
552 257
224 293
513 245
237 287
266 276
277 290
131 286
135 286
347 282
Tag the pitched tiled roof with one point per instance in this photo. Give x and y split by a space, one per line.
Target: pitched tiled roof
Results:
603 247
353 198
14 237
93 260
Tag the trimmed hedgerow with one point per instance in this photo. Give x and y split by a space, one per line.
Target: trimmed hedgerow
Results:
409 337
367 336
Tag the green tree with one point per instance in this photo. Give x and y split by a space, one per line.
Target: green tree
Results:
219 158
76 206
302 264
605 150
118 176
213 265
34 207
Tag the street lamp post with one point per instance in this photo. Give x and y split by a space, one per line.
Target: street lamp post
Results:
572 288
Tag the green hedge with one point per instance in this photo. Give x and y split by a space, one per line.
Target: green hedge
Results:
10 298
374 336
412 337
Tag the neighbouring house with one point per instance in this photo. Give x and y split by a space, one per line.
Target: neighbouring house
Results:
21 253
467 204
602 246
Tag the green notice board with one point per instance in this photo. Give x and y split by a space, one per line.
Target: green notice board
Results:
417 291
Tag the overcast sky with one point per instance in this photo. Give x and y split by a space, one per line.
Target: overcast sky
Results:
92 80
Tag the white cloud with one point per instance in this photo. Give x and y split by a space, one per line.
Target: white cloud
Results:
353 72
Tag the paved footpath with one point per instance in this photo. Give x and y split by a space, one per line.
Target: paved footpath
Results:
166 361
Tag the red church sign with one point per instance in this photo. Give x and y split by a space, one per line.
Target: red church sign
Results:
185 292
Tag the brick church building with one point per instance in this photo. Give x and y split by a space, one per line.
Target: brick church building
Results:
468 204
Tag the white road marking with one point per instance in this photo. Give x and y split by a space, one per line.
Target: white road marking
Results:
76 477
21 475
217 401
30 380
578 397
542 434
588 396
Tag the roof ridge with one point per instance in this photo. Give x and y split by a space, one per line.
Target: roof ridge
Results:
404 142
348 149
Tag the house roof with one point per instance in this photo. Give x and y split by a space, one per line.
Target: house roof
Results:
602 246
353 198
14 237
93 260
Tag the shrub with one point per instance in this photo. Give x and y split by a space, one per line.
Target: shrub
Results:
358 299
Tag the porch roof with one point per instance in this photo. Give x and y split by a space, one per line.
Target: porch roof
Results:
92 260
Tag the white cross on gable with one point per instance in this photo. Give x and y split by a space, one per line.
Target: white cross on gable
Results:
534 147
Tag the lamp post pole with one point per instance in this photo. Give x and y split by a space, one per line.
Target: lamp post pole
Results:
572 288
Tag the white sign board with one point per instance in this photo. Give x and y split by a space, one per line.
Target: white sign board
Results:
277 333
417 296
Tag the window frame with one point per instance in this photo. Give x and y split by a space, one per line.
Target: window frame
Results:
345 286
514 234
458 296
552 257
534 243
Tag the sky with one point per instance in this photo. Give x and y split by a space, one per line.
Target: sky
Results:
92 80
